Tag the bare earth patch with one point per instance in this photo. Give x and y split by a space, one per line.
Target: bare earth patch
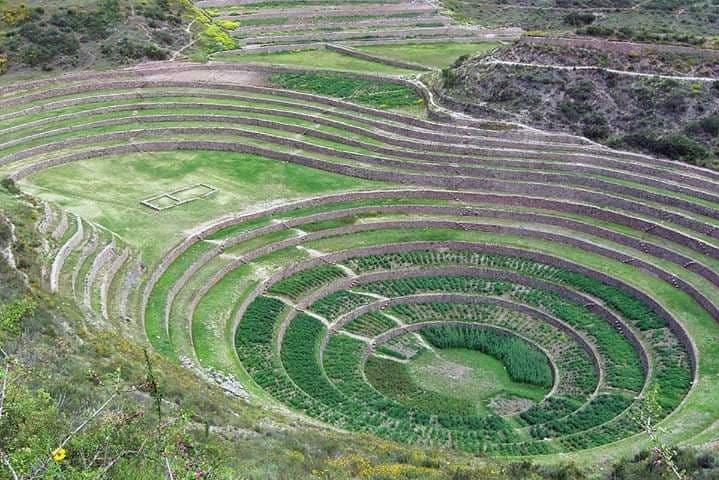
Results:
256 79
448 369
505 406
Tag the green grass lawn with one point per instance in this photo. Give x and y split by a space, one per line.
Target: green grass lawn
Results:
316 60
108 191
475 377
439 55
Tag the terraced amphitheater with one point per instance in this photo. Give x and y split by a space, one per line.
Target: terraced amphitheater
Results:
431 279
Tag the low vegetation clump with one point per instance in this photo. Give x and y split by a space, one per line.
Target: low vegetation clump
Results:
216 38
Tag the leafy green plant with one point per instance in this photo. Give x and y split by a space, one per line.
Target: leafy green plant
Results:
13 312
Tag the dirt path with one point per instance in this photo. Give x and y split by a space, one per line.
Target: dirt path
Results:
610 70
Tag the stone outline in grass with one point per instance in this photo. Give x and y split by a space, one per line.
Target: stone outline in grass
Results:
172 196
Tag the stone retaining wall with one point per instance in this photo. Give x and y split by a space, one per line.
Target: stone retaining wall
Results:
469 271
404 34
63 253
299 25
459 170
555 163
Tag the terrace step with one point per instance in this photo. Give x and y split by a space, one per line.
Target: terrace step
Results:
107 279
304 24
59 261
357 10
447 34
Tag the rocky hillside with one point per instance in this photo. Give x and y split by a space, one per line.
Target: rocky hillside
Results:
653 21
671 118
66 35
641 58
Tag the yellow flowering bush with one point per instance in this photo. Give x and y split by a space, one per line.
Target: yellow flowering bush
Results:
14 15
217 39
228 24
362 467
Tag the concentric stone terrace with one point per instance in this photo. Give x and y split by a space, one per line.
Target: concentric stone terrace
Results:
589 274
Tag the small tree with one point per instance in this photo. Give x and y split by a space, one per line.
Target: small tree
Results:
647 415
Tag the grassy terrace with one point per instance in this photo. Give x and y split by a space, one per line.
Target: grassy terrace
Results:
330 271
318 59
436 55
241 180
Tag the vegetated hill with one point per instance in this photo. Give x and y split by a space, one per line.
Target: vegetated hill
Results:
82 34
658 59
665 21
676 119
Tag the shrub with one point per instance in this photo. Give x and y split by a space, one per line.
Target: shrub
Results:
449 78
41 46
12 313
676 146
710 125
9 184
228 24
216 39
579 19
595 126
126 50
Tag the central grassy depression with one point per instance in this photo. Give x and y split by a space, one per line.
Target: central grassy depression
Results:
467 371
472 377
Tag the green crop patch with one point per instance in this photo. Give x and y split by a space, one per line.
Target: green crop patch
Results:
380 94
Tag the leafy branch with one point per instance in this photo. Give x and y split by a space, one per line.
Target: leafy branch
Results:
647 416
